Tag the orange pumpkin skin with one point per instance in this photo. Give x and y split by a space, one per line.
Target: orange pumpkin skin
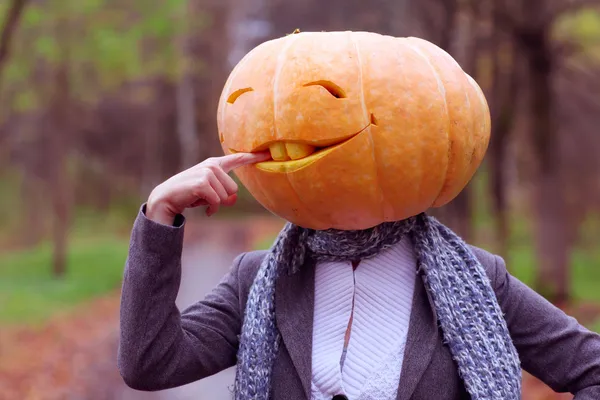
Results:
397 126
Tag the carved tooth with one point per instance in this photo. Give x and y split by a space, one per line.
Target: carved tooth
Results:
278 152
299 150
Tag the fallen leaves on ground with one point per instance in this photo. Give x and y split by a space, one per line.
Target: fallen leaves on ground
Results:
71 357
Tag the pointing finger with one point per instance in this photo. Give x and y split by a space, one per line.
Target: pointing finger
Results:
236 160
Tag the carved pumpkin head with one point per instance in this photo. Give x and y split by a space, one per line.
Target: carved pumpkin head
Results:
362 128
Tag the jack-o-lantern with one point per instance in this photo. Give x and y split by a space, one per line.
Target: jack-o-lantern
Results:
362 128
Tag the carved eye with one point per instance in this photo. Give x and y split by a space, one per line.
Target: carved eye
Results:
234 96
331 87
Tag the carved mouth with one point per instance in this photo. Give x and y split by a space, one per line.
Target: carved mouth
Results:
291 156
291 165
288 156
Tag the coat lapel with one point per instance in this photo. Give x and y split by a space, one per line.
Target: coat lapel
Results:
421 341
294 308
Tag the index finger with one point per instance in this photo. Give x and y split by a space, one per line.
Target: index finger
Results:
236 160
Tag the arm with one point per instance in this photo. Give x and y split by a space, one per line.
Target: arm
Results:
552 346
159 347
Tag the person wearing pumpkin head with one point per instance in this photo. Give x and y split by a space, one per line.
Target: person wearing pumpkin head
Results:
362 295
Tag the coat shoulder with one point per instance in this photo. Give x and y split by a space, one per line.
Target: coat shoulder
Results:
248 266
488 261
250 263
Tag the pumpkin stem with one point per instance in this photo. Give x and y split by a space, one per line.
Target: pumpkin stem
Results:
295 32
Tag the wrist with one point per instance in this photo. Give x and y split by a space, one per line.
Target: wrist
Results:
158 211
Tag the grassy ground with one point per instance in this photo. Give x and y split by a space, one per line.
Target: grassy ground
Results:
98 244
29 293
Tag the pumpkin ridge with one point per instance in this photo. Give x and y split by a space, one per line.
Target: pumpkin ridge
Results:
280 62
368 119
442 90
474 129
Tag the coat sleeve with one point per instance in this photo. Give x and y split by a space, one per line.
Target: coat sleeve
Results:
552 346
160 347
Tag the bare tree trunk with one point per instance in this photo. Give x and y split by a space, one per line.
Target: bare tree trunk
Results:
214 44
186 121
61 205
247 26
503 98
33 230
61 125
551 226
497 180
218 74
152 159
400 15
186 96
60 182
8 29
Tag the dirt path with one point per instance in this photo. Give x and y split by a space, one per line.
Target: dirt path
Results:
61 359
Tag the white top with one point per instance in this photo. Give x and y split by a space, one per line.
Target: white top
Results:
381 289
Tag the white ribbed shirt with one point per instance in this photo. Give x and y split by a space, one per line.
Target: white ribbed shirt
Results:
381 289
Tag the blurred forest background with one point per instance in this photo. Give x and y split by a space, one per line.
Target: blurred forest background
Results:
101 100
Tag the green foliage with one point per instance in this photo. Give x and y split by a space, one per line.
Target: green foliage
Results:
25 101
28 292
47 48
583 27
104 43
32 17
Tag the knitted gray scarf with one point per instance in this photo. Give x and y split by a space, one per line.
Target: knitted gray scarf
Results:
471 320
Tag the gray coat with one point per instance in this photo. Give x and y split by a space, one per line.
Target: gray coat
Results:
162 348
